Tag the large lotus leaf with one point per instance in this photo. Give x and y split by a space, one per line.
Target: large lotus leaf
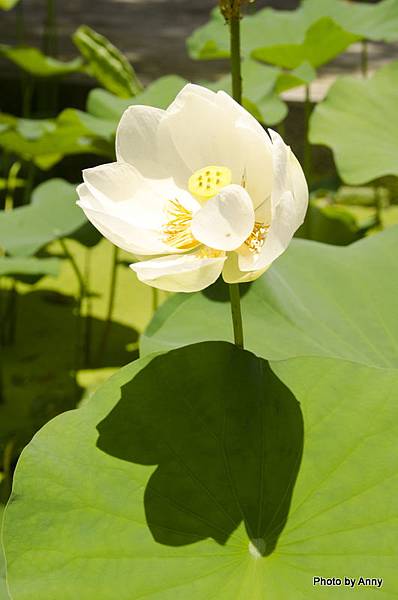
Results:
316 299
33 61
377 21
352 122
52 214
3 586
323 41
14 266
160 93
106 63
158 486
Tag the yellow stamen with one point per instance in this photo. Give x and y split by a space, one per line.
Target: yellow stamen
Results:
214 177
256 239
177 230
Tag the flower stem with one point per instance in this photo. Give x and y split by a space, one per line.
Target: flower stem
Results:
234 30
234 296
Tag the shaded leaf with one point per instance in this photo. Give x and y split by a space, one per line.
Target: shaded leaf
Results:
364 147
110 536
52 214
12 266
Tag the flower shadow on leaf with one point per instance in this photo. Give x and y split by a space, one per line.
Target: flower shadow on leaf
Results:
219 291
227 436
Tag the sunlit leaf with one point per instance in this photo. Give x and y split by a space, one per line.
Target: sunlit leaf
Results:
106 63
352 121
378 21
52 214
285 37
160 93
316 299
158 469
323 41
33 61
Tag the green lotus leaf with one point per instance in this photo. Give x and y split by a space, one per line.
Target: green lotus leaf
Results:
52 214
160 94
47 141
377 21
33 61
323 41
283 37
106 63
265 27
158 486
3 586
307 303
14 265
352 122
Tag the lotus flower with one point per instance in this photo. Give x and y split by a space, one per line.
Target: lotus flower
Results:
198 190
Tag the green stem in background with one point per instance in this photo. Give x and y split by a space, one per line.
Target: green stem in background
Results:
364 58
11 185
20 23
50 37
27 84
111 303
234 30
88 309
80 296
29 182
234 295
307 155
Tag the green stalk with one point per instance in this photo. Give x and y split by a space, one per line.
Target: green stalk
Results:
234 30
111 303
88 309
234 296
50 40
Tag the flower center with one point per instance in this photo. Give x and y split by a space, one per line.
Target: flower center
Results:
256 239
207 182
177 230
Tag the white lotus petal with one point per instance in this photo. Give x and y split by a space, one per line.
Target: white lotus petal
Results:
124 234
226 220
203 128
231 272
122 191
289 205
179 273
136 140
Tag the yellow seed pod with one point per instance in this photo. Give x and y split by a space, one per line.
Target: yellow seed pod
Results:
207 182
